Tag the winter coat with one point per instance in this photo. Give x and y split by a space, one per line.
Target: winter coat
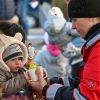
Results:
89 86
12 83
56 66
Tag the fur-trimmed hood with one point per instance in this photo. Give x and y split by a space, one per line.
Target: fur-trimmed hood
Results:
6 41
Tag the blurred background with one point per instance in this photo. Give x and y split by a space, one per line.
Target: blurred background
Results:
31 15
36 33
38 30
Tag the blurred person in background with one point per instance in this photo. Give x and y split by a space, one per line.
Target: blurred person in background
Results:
39 9
8 10
69 43
72 50
33 13
31 54
51 57
26 20
12 29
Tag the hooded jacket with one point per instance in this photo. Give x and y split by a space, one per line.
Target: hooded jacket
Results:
11 82
55 64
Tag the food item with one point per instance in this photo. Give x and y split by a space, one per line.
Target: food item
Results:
32 65
32 71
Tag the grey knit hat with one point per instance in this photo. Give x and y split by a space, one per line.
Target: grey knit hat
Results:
12 52
56 27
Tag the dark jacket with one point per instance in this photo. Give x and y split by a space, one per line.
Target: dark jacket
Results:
7 9
48 1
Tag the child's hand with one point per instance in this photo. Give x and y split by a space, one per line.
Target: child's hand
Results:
45 75
38 85
27 76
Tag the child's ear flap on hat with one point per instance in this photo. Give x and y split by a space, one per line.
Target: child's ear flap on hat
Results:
18 36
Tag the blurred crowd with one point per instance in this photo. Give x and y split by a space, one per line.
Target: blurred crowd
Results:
27 13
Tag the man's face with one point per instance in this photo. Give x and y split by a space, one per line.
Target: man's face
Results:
82 25
15 64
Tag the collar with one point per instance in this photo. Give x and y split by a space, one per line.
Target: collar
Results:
92 36
92 31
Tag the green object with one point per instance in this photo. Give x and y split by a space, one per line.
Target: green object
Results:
32 65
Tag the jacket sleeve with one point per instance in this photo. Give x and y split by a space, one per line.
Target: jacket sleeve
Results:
66 81
61 92
63 89
12 85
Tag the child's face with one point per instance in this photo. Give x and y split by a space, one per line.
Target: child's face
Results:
15 64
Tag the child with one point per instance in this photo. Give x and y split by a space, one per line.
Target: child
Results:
52 57
55 56
13 55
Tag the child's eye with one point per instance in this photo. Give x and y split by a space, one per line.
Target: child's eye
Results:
13 59
20 58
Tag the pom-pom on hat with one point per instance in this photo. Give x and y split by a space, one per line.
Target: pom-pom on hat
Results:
84 8
56 28
18 36
12 52
55 11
